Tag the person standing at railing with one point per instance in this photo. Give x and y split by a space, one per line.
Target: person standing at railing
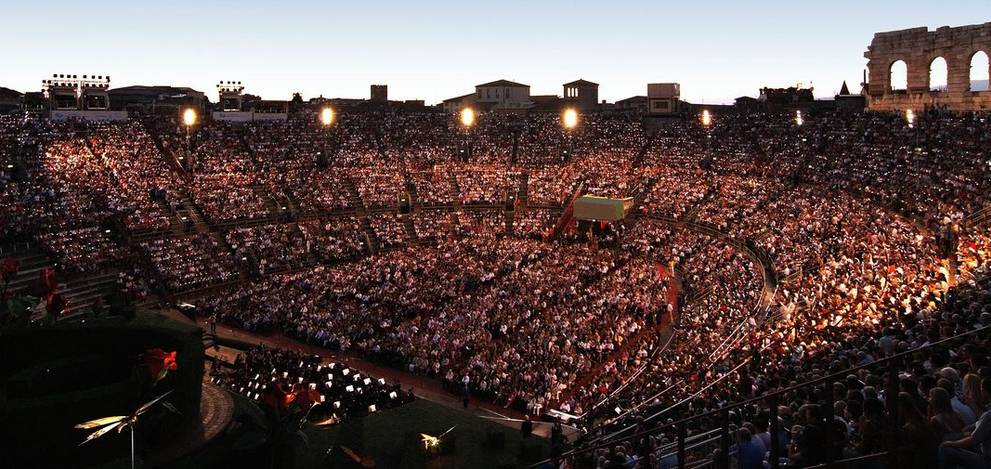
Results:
749 453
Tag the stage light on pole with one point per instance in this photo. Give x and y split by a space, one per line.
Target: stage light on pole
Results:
189 117
798 118
467 121
569 118
706 118
467 117
327 116
910 117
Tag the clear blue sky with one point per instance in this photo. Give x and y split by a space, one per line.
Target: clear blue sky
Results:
432 50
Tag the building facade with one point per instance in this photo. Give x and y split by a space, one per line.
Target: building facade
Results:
582 94
664 98
380 93
504 94
902 66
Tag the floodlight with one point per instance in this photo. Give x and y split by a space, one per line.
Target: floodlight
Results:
467 117
569 118
189 117
327 116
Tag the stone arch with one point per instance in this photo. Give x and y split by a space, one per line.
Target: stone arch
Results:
979 71
964 48
898 75
938 75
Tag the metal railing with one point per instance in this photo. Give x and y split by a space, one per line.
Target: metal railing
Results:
772 400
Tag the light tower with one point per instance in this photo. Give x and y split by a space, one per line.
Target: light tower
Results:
706 119
467 122
189 119
327 118
230 93
569 120
66 91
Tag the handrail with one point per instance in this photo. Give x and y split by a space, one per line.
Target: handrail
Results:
850 460
778 393
763 305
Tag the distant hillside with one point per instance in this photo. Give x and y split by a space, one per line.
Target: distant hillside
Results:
979 85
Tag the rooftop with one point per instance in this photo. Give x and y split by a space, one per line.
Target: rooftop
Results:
503 83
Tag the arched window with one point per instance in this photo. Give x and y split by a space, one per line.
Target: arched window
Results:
937 74
899 76
979 71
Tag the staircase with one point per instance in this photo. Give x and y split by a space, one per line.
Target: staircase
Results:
288 201
456 188
370 239
642 191
522 194
175 222
354 195
169 158
273 206
567 215
510 221
208 339
642 153
81 290
32 262
192 213
456 228
414 197
410 229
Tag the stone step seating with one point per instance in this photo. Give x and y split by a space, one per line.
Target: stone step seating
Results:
82 290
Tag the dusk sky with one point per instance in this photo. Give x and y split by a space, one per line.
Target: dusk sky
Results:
717 50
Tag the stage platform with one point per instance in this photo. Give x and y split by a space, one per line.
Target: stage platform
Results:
216 414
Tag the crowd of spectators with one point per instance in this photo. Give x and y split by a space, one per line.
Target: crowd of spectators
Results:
271 247
335 239
389 229
785 252
190 262
432 226
466 312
